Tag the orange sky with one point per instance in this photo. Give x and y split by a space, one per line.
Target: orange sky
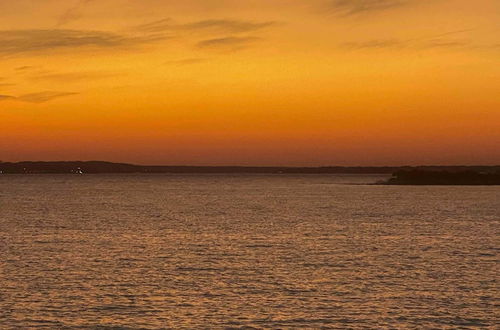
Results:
251 82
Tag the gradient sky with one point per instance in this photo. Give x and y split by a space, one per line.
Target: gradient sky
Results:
251 82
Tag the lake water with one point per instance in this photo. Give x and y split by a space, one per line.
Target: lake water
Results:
241 251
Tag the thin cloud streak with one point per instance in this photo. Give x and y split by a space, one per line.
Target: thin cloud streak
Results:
374 44
14 42
355 7
25 68
402 44
73 76
426 42
212 25
25 41
40 97
227 43
6 97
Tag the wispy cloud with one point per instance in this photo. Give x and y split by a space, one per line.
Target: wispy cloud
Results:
43 96
213 25
374 44
218 29
24 41
73 76
40 97
410 44
227 43
27 41
73 13
354 7
442 40
16 42
6 97
25 68
443 43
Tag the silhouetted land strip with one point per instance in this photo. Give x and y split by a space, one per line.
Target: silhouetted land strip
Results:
97 167
421 177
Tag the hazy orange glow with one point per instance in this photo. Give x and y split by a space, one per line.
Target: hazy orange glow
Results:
255 82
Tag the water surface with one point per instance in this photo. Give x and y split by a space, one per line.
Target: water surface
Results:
262 251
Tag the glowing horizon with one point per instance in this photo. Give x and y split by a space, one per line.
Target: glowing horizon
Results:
221 82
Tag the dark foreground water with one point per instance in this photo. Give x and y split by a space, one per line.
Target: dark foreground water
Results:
201 251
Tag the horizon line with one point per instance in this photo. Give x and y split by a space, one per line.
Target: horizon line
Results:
245 166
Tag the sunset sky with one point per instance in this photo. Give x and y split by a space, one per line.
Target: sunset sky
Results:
251 82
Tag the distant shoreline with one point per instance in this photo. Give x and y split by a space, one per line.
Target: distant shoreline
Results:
102 167
421 177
